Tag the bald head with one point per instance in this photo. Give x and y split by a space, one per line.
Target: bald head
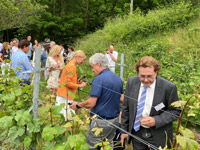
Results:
111 48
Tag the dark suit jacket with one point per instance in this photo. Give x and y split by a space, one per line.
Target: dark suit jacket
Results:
166 93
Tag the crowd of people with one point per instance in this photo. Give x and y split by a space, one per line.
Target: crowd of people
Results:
146 105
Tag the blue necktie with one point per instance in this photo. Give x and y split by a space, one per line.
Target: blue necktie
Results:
140 109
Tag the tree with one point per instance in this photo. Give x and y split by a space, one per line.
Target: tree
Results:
16 14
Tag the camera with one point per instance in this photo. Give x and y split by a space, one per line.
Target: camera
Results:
81 79
65 54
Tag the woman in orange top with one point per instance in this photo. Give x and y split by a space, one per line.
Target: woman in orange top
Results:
69 82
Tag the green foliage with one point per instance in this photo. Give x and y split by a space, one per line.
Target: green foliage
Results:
27 141
187 143
19 129
49 133
22 117
169 36
156 33
16 14
79 144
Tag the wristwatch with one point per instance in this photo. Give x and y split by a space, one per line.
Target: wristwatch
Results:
77 106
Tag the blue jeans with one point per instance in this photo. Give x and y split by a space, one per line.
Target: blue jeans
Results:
44 58
22 82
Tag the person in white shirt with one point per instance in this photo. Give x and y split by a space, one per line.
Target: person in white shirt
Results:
111 55
15 47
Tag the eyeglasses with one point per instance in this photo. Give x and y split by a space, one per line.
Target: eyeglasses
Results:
147 77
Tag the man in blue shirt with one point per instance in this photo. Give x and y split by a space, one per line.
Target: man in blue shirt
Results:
20 60
105 96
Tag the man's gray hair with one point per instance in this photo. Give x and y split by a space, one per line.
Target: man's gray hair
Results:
99 58
15 39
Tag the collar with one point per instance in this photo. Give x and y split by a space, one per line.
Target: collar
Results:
20 50
152 85
104 70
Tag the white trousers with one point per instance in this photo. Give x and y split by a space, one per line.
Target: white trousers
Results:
2 65
60 100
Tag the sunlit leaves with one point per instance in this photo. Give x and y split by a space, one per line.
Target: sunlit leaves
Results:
186 132
93 117
79 144
105 143
68 124
186 143
178 103
97 130
186 139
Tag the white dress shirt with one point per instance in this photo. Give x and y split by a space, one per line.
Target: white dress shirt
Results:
149 98
111 62
14 49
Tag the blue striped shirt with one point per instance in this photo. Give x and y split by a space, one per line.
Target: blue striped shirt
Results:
20 59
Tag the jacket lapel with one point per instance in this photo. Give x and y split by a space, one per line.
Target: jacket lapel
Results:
135 96
157 95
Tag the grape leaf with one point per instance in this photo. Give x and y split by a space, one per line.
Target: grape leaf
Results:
71 140
186 143
12 133
97 130
27 141
49 146
6 122
60 130
67 125
84 147
35 125
178 103
48 133
18 92
22 117
186 132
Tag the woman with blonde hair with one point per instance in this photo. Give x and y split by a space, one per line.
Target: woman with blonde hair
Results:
54 67
69 82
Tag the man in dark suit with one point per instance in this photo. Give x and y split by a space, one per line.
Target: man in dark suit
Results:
147 112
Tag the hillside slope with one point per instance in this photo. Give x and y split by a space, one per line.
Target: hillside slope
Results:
162 34
171 35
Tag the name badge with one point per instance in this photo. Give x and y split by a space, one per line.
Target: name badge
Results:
159 106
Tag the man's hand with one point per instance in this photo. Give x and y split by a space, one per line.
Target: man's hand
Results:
148 121
83 84
108 52
80 80
73 105
123 137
